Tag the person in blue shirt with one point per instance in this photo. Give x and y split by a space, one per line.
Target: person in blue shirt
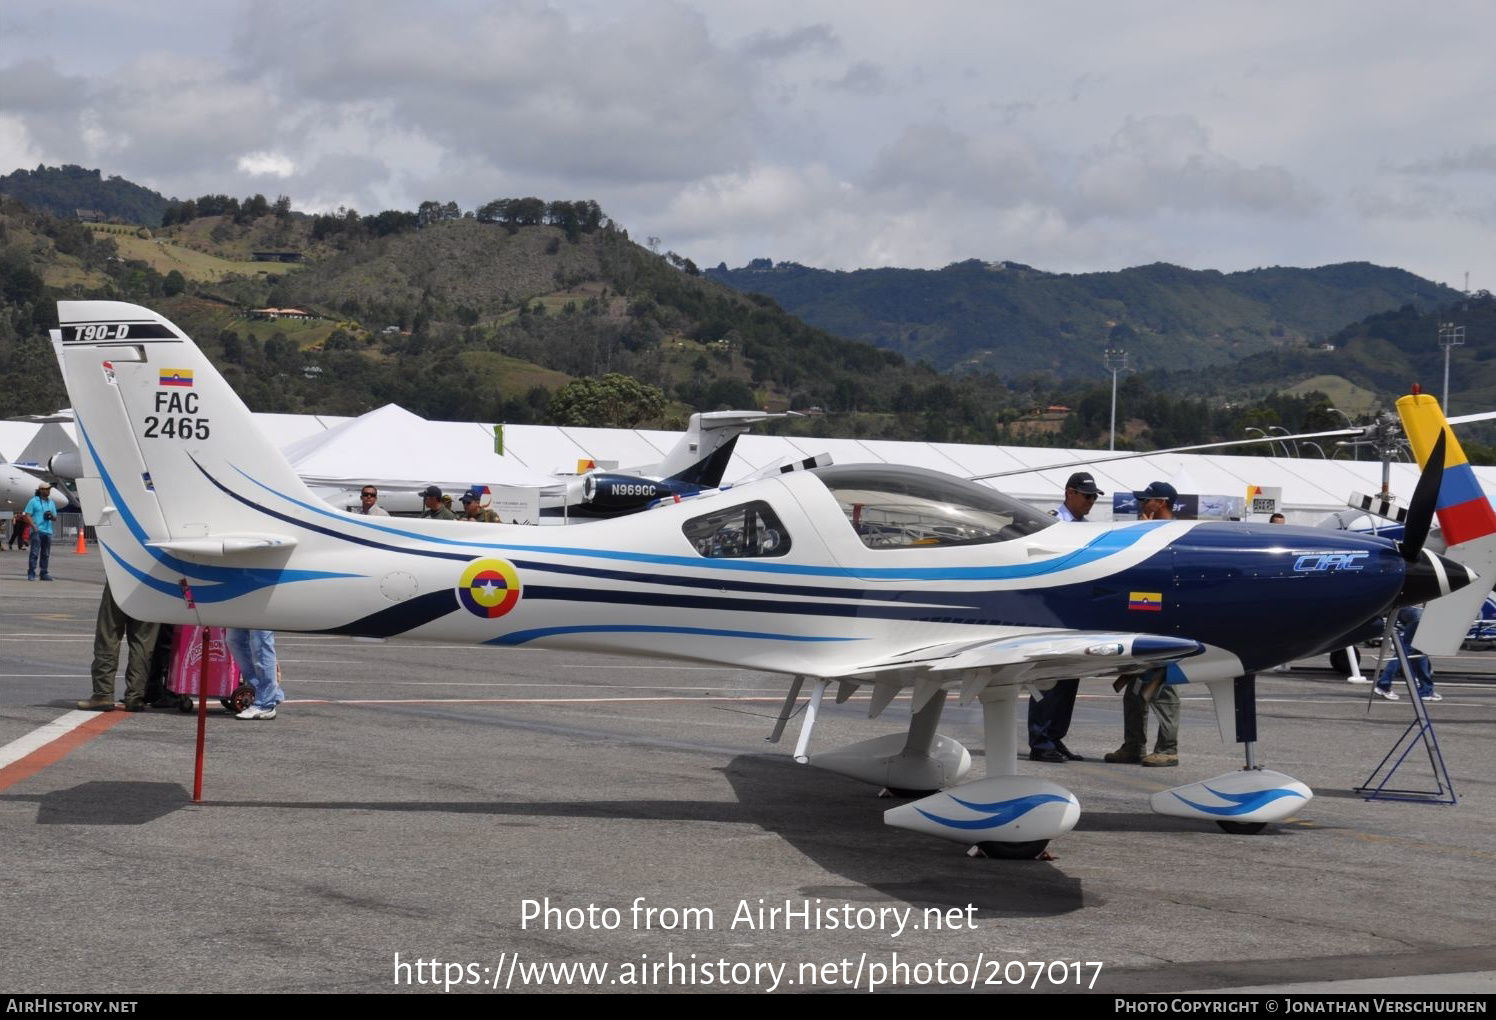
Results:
43 514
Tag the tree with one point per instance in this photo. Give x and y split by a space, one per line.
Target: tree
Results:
174 284
614 401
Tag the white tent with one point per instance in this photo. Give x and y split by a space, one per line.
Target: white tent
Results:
393 448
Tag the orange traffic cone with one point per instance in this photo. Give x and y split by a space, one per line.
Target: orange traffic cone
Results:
82 549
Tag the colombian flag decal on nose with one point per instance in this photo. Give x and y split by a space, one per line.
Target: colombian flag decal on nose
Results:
489 588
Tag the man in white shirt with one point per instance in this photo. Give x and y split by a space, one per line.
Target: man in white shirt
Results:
368 503
1049 719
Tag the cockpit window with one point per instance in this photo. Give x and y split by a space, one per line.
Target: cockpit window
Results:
749 529
894 507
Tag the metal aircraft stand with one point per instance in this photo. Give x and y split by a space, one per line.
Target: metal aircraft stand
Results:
1420 730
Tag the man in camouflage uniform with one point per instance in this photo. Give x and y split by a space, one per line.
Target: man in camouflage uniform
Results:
474 510
431 499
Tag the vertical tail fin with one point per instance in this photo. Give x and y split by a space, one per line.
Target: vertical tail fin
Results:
703 453
172 460
1464 511
1465 517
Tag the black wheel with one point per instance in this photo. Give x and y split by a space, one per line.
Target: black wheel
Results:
242 698
1013 851
1242 828
184 704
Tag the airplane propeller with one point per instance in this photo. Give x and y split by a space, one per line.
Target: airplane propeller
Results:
1425 501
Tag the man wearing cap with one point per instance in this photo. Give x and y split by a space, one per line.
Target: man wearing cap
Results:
474 510
1049 715
431 498
43 514
1155 503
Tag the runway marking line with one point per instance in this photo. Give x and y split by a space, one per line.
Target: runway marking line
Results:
520 701
46 745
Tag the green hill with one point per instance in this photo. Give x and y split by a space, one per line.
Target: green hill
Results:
454 317
69 192
1017 321
1384 353
488 315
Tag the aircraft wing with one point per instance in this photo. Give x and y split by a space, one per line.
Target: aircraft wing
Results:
1043 655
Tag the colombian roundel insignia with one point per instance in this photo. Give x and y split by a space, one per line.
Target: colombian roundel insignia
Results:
489 588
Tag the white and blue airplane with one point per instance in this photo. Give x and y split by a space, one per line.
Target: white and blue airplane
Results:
18 484
894 579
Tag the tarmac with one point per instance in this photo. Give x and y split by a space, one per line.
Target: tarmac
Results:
436 818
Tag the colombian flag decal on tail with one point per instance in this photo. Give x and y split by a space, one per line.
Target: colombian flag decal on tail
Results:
1464 511
176 377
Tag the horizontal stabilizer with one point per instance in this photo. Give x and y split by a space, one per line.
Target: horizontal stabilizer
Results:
222 545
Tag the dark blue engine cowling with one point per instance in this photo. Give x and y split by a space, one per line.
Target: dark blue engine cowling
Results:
609 494
1270 593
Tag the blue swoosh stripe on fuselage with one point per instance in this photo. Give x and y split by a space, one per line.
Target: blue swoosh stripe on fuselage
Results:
396 620
796 606
803 591
319 529
1107 544
225 582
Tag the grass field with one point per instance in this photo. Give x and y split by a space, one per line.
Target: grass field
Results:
1343 393
510 376
164 256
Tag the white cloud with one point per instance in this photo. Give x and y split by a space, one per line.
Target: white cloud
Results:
266 164
16 149
648 97
1166 162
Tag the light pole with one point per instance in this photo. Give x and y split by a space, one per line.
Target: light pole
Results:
1355 447
1116 360
1283 430
1450 335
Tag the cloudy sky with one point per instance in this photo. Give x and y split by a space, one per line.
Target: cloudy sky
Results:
1072 136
